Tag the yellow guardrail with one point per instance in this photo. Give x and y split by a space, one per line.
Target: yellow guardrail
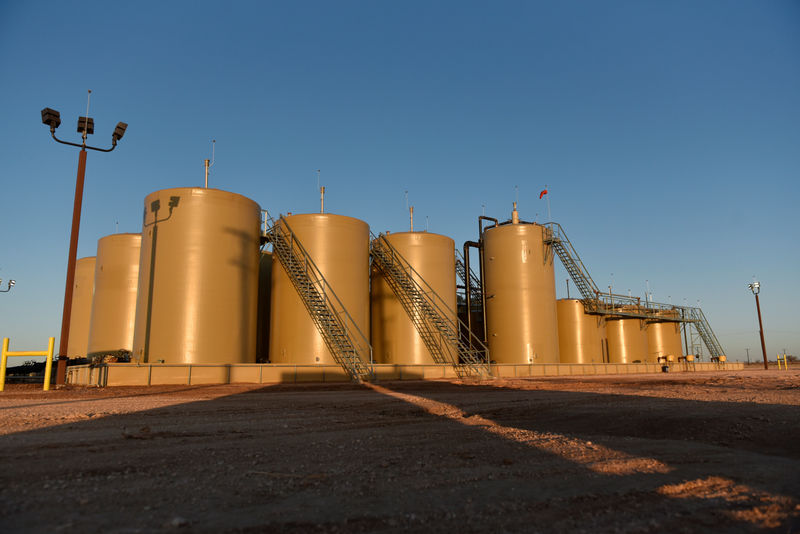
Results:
785 365
48 366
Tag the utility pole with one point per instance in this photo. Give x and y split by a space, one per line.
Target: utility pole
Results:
755 287
748 355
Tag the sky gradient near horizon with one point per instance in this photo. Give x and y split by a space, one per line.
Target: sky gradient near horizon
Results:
667 133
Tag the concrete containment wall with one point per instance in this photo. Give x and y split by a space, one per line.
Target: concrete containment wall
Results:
131 374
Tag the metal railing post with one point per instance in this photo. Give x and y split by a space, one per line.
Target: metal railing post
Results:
3 364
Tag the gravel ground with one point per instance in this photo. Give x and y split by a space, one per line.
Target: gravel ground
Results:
649 453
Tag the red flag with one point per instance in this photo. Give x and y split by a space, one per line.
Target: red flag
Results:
543 193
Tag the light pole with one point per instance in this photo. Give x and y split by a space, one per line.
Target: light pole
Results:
12 282
755 287
52 118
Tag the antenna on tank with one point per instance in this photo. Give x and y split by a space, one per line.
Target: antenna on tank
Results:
483 210
516 194
411 215
426 223
210 163
321 190
116 227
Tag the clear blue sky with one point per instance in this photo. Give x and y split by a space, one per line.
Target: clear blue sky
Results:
668 133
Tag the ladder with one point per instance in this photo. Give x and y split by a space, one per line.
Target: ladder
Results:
347 344
557 238
430 314
703 327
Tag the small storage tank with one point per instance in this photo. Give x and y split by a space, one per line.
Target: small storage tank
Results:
520 294
116 278
198 277
581 336
627 340
339 246
395 339
664 338
264 291
81 310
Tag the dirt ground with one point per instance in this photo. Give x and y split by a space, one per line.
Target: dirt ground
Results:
650 453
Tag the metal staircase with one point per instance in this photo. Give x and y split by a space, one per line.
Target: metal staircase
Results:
344 339
430 314
557 238
474 281
701 324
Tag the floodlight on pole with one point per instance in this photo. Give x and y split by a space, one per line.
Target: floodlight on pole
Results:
11 284
52 119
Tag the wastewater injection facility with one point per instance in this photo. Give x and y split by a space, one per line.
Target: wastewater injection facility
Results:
215 290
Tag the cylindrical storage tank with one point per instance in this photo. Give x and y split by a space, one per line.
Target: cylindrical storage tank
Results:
81 308
198 278
664 339
339 246
627 340
395 339
116 278
581 336
520 294
264 291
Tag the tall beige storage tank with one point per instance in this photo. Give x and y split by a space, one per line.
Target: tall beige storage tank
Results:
627 340
264 290
198 277
664 339
81 314
581 336
339 246
395 339
520 294
116 278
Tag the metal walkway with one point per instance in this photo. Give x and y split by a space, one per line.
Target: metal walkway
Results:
429 313
601 303
346 342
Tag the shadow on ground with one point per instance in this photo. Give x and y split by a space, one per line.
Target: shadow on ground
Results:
410 456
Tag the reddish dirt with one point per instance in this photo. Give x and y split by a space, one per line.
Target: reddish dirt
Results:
650 453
